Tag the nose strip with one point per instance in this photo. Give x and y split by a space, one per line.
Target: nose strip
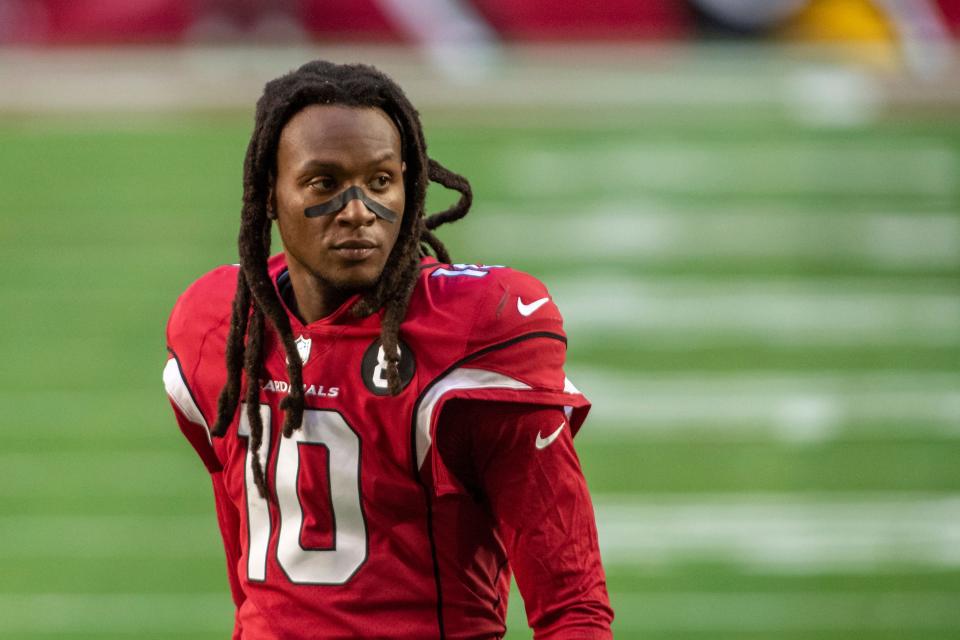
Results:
339 201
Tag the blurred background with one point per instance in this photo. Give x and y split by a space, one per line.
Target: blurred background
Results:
747 209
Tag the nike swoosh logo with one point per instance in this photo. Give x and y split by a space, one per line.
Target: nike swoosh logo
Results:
527 309
543 443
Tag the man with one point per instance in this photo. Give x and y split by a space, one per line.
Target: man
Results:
404 438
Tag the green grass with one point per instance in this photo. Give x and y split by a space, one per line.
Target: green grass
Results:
101 228
669 467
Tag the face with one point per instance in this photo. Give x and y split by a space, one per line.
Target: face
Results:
323 150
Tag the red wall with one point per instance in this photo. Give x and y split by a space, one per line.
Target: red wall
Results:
585 20
118 21
113 21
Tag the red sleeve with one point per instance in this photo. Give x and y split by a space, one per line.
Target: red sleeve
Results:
520 460
528 372
195 372
189 417
229 521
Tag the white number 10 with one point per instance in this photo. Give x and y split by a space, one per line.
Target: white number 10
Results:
307 566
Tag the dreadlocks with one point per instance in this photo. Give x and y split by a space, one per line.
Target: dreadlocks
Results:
257 303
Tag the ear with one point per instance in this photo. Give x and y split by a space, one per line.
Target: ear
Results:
403 167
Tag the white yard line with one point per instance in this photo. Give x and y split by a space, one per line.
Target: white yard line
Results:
67 614
788 406
779 167
784 405
133 536
772 611
156 79
789 533
109 613
641 231
680 310
122 471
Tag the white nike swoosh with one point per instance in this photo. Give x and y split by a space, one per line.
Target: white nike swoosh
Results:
543 443
527 309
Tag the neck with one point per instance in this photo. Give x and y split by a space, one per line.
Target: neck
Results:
315 299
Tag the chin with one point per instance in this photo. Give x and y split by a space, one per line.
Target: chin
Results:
355 279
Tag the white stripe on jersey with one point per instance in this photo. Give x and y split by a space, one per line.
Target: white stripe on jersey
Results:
177 390
457 379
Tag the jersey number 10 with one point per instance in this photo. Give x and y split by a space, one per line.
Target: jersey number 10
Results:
301 565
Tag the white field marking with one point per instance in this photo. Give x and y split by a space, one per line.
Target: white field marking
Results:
100 473
923 170
110 613
67 614
787 406
785 611
132 536
680 310
768 531
830 96
781 532
643 231
630 77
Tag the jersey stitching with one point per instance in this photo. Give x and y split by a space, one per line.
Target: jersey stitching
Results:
203 342
476 315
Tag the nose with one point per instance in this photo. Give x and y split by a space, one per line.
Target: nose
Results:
355 214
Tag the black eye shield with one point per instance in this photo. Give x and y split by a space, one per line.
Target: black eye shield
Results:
339 201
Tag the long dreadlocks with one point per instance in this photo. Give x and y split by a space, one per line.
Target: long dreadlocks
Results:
256 301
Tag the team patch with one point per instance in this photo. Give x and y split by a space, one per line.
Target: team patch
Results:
373 368
303 348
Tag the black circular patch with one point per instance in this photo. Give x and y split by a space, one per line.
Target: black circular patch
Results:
373 368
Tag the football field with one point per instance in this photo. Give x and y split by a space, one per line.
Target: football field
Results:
765 314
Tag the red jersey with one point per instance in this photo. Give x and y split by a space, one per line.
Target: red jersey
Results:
372 529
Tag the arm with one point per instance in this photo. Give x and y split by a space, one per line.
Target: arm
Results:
197 327
194 428
189 417
541 506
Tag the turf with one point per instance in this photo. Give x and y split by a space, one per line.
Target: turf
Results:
107 519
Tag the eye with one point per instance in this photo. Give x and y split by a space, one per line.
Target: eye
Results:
323 184
381 182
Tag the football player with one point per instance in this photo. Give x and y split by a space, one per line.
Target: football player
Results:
389 435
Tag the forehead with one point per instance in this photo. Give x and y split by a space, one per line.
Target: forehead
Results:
337 134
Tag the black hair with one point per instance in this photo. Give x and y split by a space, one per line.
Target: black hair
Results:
257 303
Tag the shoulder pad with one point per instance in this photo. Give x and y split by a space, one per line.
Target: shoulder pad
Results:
202 309
493 303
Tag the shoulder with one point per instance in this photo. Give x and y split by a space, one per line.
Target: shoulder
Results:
196 335
205 305
488 303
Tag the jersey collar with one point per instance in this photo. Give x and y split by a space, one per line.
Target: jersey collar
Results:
280 276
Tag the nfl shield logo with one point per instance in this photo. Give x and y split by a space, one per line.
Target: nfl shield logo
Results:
303 348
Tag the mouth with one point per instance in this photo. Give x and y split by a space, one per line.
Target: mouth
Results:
355 250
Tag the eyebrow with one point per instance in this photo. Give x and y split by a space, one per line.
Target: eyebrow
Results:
315 164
